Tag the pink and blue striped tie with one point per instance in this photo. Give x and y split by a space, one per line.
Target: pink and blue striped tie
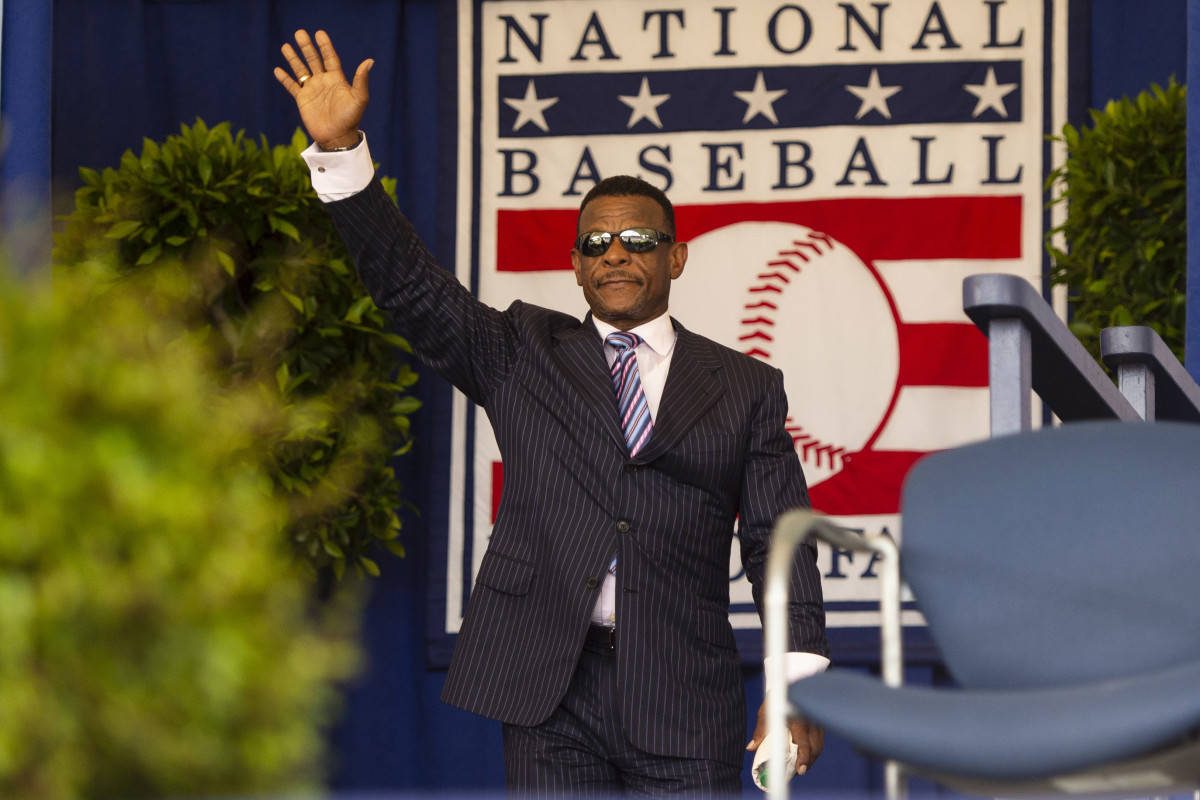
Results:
632 409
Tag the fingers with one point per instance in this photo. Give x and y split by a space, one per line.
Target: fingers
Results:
361 78
299 69
329 57
286 81
312 58
810 741
760 728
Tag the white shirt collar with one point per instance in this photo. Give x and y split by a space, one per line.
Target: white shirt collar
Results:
658 333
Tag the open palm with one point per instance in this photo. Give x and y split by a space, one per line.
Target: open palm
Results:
330 107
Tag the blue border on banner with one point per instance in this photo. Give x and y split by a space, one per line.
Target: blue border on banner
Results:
440 645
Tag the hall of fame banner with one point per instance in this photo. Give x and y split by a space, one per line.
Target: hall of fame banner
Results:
837 169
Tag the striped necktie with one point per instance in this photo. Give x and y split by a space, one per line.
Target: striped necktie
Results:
632 409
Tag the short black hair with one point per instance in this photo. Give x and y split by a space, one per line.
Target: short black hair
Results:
629 186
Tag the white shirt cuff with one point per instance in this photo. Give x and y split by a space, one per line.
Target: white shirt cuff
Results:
797 666
339 174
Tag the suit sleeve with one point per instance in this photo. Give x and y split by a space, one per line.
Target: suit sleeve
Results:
773 482
465 341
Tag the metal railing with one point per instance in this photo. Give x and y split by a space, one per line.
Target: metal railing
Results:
1149 375
1030 348
791 529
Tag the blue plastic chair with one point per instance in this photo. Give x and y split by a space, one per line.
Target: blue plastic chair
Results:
1056 570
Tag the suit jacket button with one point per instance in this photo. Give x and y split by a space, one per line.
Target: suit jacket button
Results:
592 583
631 468
623 526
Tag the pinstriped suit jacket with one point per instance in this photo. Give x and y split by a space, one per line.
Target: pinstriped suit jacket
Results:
573 498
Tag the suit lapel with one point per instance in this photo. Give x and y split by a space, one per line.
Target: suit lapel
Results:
691 390
580 353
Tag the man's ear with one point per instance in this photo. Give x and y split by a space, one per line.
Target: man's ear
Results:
577 264
679 254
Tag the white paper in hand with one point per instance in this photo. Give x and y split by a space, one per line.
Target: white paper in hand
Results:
759 769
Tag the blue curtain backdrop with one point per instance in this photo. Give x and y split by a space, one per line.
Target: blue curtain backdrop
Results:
81 81
25 56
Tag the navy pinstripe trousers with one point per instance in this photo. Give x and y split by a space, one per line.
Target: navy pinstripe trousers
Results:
582 750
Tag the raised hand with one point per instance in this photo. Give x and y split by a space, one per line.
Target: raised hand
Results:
330 108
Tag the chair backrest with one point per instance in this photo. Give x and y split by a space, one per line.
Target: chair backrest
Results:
1059 556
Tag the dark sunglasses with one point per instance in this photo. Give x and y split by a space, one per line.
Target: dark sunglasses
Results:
635 240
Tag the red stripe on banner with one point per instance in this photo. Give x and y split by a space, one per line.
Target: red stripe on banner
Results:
943 354
535 240
886 228
538 240
497 487
869 483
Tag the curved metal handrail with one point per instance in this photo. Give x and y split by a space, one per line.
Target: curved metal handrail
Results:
791 529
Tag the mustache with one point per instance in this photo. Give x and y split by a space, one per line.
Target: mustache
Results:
616 275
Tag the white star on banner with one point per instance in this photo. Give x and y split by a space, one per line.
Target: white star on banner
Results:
530 108
760 101
990 94
644 104
873 96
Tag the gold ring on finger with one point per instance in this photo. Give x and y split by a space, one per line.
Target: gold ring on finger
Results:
302 79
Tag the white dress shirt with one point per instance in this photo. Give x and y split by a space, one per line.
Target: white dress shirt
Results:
654 361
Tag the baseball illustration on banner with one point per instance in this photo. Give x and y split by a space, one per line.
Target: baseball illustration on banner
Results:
811 307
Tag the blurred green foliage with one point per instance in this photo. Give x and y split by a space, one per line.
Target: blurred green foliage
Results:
156 639
283 304
1126 230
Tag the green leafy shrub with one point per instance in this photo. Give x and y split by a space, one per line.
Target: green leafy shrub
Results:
156 639
284 304
1124 185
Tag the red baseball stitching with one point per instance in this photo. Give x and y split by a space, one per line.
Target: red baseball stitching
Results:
834 456
758 336
760 314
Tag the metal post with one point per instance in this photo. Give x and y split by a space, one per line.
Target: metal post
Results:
1136 382
1010 375
892 656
